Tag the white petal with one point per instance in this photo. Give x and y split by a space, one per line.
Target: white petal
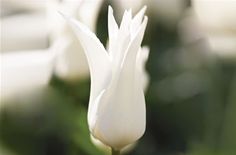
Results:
88 12
113 32
100 145
126 20
137 20
107 149
128 66
121 112
130 58
121 115
98 60
71 63
140 66
112 28
124 36
122 40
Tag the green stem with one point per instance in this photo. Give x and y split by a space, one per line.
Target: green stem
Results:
115 152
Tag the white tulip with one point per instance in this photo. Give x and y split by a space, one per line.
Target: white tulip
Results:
217 19
24 70
142 56
116 114
27 70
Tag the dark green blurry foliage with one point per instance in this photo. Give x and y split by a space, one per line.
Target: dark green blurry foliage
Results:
53 122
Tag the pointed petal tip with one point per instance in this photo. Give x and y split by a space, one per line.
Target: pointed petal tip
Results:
129 13
145 20
110 9
130 10
73 22
144 8
144 23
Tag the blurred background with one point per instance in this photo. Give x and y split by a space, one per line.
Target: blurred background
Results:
191 92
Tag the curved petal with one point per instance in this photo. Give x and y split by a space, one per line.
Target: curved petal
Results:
98 60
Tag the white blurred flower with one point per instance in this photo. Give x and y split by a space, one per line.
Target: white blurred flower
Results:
217 19
27 70
24 32
24 25
39 25
116 114
189 28
23 70
9 7
72 63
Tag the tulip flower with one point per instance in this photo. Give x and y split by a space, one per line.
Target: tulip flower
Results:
116 113
24 70
217 19
143 56
27 70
